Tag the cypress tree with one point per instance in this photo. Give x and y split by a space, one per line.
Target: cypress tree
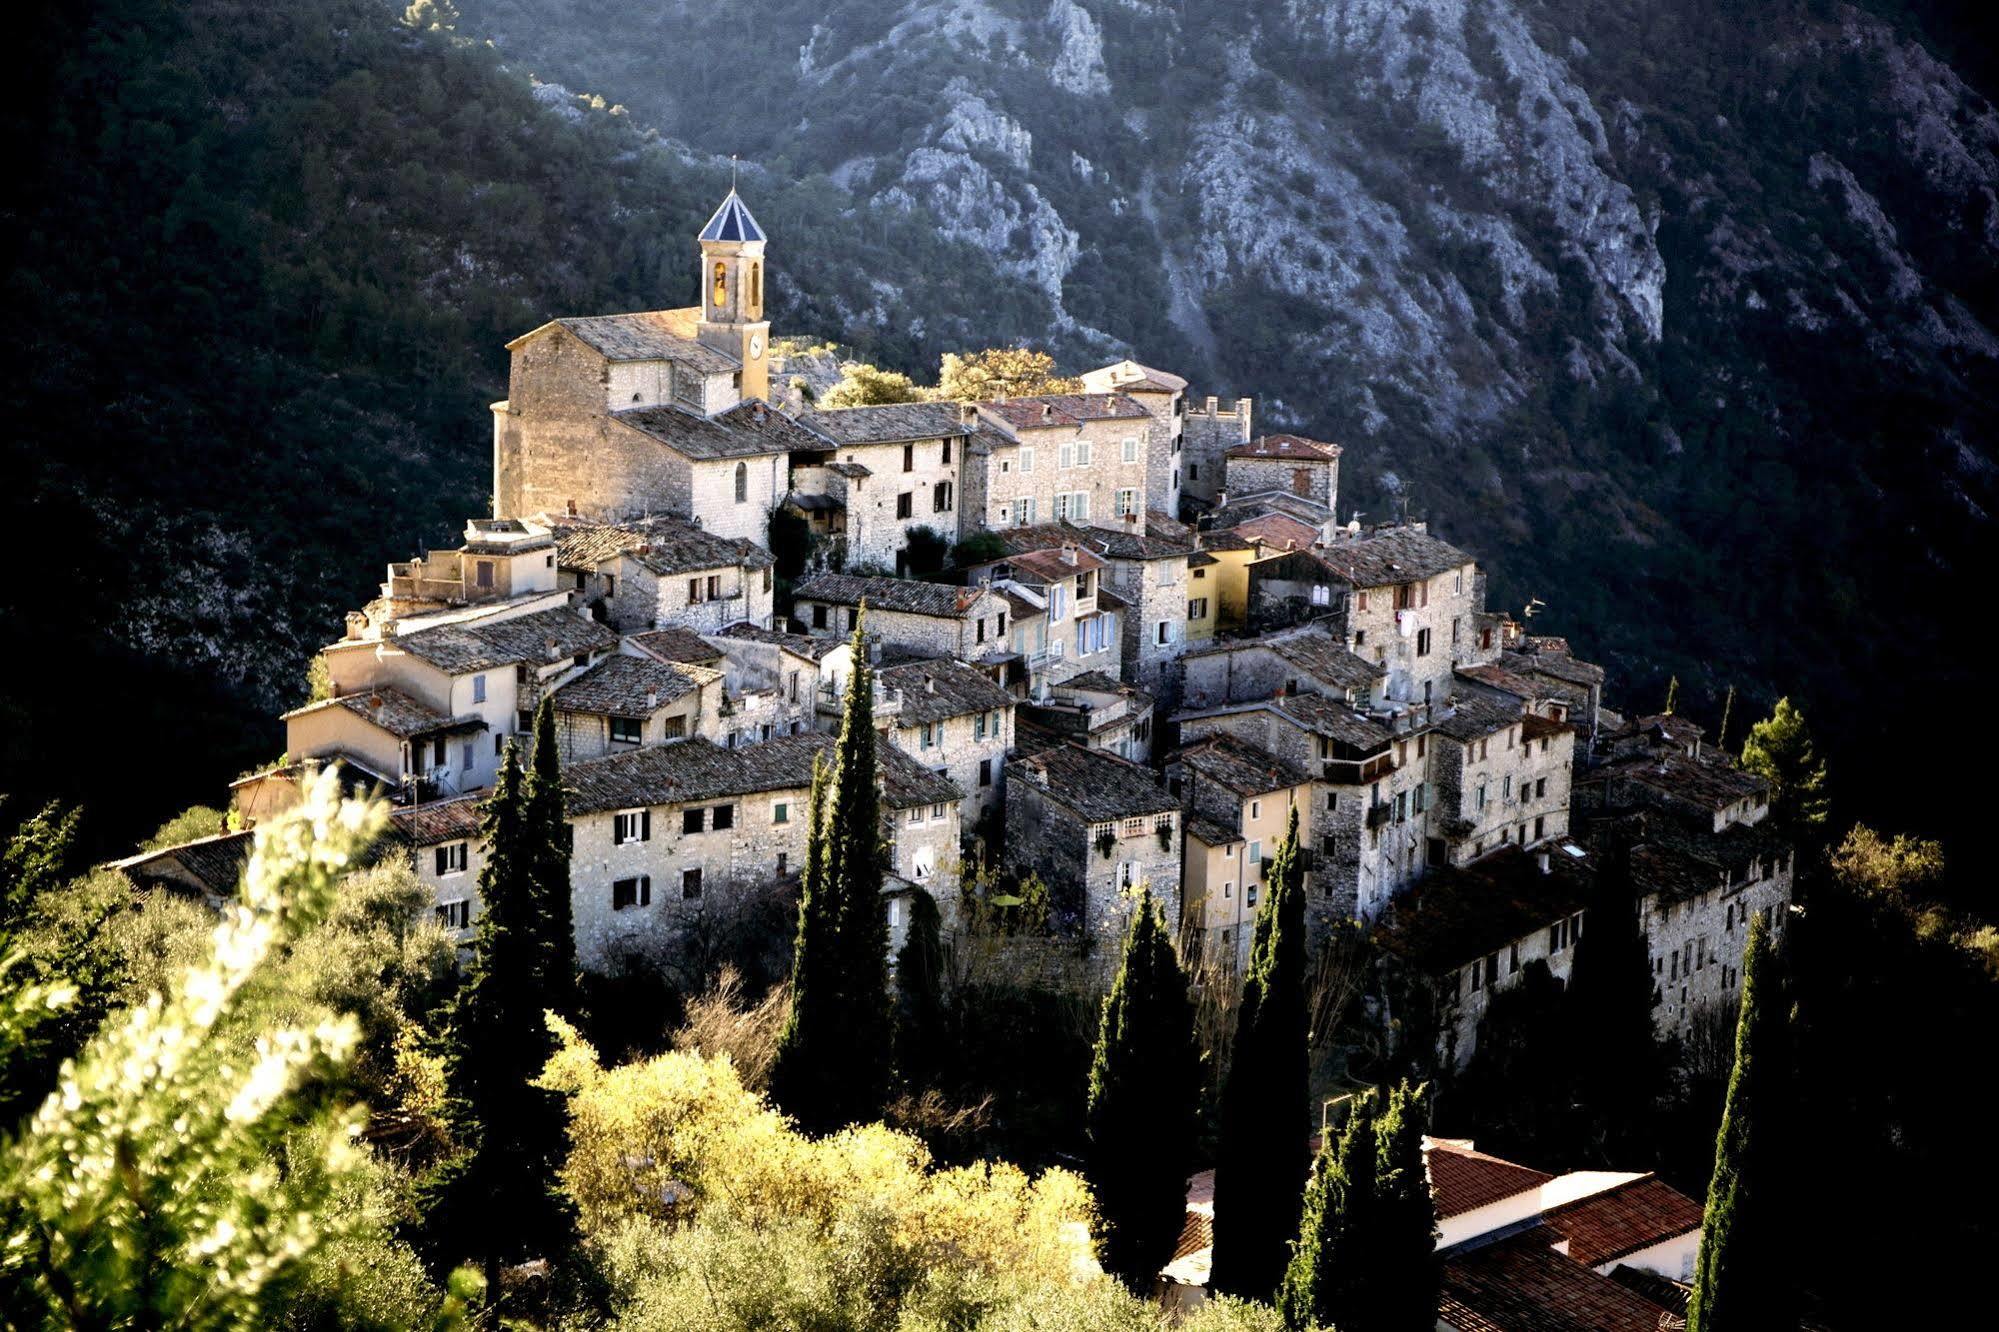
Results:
1406 1276
1325 1279
1742 1279
497 1202
919 995
549 849
1143 1102
832 1063
1263 1155
1609 1005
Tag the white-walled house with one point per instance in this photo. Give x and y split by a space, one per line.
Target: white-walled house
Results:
888 471
658 572
626 701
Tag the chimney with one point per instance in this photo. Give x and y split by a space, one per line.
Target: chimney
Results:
1068 552
1047 411
929 684
1541 860
652 699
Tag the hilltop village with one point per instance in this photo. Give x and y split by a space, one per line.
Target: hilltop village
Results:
1167 644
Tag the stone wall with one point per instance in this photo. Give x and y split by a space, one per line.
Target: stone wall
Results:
1696 943
1086 887
1031 468
975 761
642 599
1314 479
1208 432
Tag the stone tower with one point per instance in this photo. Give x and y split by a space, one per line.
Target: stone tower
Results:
732 293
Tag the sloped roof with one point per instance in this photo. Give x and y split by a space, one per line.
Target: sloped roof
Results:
1390 555
1287 447
732 222
1463 1180
935 690
213 864
1313 651
694 769
458 649
889 423
622 686
1132 377
902 595
1064 409
1474 718
1095 783
1707 782
663 545
1520 1284
439 821
747 430
676 643
1239 766
1622 1220
1461 912
799 645
391 710
644 335
1278 529
1052 566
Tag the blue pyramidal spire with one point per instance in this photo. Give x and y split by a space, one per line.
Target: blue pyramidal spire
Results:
732 222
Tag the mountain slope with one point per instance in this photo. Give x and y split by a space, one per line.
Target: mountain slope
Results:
1680 314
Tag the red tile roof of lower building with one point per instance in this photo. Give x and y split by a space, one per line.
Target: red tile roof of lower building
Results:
1465 1180
1520 1284
1623 1220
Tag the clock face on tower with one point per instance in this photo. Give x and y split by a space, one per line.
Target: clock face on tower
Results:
756 345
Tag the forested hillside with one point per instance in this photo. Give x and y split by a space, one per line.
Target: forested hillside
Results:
1678 312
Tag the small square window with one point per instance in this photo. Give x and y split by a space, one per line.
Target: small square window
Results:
690 884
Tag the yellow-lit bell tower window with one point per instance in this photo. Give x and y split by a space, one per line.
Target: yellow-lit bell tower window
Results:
721 283
756 290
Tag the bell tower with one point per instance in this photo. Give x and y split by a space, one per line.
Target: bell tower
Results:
732 293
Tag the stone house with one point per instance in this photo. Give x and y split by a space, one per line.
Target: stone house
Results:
969 623
626 701
774 681
500 561
1309 659
1412 607
1163 395
662 411
1065 620
674 644
1208 431
954 719
444 846
665 834
1242 798
888 470
1096 711
1218 580
655 572
1707 792
1075 457
1151 572
1094 827
1500 778
433 707
1288 464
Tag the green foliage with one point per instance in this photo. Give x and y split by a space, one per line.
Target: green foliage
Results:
1780 750
549 838
920 1017
926 553
496 1203
979 548
1514 1096
32 862
1407 1276
1744 1275
171 1180
833 1062
863 385
1145 1086
190 824
1328 1273
1263 1155
1000 372
1609 1001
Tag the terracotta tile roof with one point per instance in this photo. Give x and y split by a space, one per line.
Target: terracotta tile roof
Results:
215 864
1536 727
1293 447
1278 529
1388 556
439 821
1623 1220
1052 566
646 335
624 686
663 545
481 645
1464 1180
934 691
904 596
1239 766
1096 784
1461 912
1520 1284
1064 409
675 643
891 423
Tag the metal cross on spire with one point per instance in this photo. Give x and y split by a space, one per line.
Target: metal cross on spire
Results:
732 173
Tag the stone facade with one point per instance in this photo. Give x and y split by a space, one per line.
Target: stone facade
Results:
1094 828
1208 431
1080 469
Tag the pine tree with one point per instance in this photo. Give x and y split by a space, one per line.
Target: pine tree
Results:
1263 1155
497 1202
919 995
1780 750
1742 1279
832 1063
1143 1101
1325 1279
1611 995
1405 1276
549 850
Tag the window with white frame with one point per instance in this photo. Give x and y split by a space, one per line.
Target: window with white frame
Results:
454 915
632 892
1130 450
1058 602
1023 511
450 859
1073 505
1127 502
1083 453
1026 459
631 825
